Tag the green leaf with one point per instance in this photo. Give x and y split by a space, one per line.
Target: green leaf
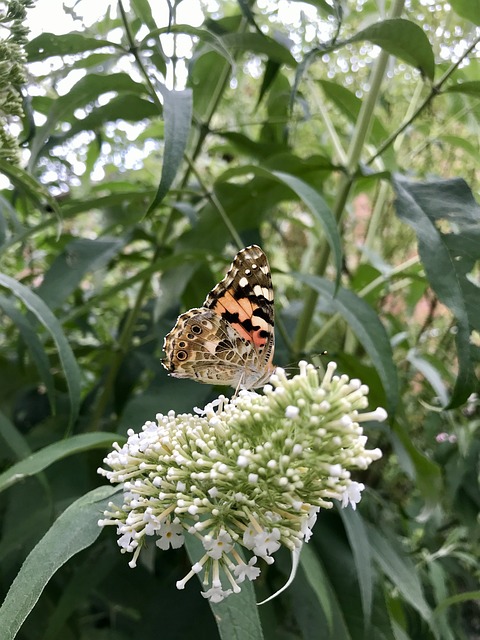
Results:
260 44
397 36
360 546
35 346
469 9
24 182
143 10
470 87
350 105
237 616
366 325
400 570
430 373
456 599
76 529
79 257
43 314
401 38
462 143
177 112
318 580
309 196
128 107
48 44
42 459
445 218
12 438
86 90
426 474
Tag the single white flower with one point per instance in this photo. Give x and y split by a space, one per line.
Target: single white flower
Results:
352 494
243 570
216 547
170 535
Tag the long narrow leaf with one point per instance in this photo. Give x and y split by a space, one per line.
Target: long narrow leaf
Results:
237 616
445 218
309 196
358 538
400 570
34 344
76 529
177 113
49 321
12 438
366 325
42 459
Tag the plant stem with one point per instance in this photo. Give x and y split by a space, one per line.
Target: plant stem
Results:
435 91
362 129
332 321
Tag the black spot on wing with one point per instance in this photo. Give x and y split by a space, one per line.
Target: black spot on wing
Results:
246 292
264 314
233 318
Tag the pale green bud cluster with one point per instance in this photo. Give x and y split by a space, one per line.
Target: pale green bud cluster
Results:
12 73
249 472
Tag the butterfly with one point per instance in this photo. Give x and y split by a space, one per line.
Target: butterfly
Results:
230 339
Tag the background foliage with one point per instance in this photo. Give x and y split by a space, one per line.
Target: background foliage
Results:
338 136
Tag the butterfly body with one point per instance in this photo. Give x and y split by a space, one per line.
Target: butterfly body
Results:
230 339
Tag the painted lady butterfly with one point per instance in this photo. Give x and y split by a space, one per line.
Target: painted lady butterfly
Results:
230 340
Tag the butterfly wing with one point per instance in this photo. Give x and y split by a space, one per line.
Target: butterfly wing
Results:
230 340
205 348
244 299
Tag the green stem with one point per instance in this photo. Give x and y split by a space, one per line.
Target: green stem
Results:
362 129
435 91
215 202
333 320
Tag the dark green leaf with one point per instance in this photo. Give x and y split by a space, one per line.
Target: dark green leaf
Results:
318 580
445 218
237 616
177 113
350 105
401 38
359 544
48 44
49 321
24 182
259 43
35 346
127 107
469 9
309 196
12 438
88 89
80 256
76 529
400 570
366 325
42 459
426 473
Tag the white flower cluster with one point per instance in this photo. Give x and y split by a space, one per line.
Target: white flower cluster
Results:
249 472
